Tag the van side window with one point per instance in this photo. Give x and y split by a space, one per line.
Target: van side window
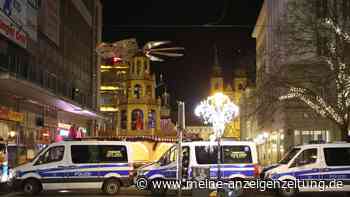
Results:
98 154
84 153
54 154
112 153
306 157
337 156
206 156
236 154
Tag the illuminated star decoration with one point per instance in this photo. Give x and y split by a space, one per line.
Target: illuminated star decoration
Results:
217 110
128 48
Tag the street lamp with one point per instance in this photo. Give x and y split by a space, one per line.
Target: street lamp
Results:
217 110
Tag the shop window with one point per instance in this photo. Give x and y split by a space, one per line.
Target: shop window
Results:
137 119
152 119
137 91
123 119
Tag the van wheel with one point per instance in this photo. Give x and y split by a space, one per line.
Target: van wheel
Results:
287 192
31 187
111 187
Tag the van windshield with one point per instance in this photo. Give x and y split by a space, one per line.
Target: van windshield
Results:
230 154
289 156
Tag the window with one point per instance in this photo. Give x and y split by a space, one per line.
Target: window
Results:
337 156
54 154
152 119
289 156
112 153
123 119
98 154
308 156
236 154
137 119
137 91
169 156
84 153
206 156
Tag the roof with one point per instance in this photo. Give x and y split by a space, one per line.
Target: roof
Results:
223 142
333 144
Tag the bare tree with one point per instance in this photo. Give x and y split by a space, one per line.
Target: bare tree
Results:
328 31
307 59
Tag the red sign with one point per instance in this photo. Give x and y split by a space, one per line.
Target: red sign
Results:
7 114
11 31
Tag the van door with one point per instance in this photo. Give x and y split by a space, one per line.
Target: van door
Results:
306 165
337 164
83 170
51 167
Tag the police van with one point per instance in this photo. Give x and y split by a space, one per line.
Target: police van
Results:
317 162
238 161
71 165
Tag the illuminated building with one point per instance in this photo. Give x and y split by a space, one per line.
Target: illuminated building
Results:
48 72
128 97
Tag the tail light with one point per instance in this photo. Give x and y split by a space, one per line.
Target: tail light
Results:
257 170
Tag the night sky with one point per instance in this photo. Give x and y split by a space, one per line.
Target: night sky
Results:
185 23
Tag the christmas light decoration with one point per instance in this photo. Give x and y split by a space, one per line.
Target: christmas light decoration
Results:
128 48
339 112
217 110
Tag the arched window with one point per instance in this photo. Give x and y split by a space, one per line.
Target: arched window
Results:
123 119
137 91
152 119
137 119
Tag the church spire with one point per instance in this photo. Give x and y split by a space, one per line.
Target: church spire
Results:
216 67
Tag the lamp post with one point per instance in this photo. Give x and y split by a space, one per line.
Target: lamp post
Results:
217 110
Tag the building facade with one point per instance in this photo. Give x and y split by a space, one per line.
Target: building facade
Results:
287 44
48 72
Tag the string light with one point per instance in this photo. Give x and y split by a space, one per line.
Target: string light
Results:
217 110
335 63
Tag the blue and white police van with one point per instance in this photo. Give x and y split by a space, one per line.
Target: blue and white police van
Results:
238 161
71 165
312 162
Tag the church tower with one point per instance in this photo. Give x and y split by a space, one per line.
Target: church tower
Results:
140 109
216 80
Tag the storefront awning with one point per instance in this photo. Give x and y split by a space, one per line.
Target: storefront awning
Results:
37 95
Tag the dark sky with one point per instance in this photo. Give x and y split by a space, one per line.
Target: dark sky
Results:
182 22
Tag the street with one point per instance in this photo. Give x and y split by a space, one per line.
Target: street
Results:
137 193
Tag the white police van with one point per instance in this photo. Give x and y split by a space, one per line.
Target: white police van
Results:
317 162
71 165
238 161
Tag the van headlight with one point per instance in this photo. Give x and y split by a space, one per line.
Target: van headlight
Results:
12 174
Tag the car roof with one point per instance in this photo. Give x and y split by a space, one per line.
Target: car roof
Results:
224 142
91 142
325 145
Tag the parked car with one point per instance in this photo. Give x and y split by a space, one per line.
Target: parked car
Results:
71 165
318 162
238 162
